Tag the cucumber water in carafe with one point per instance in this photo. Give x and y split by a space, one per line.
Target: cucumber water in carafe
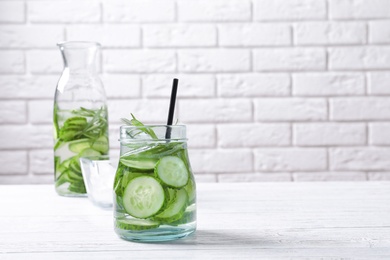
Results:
79 116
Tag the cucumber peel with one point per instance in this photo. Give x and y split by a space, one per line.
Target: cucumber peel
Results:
143 197
101 144
174 211
79 145
139 163
188 216
136 224
89 152
172 171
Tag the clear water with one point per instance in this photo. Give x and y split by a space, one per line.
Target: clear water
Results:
160 234
68 177
171 228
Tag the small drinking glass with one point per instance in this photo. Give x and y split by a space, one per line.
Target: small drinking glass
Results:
98 173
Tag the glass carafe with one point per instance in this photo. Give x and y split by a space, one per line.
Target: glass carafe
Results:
80 116
154 187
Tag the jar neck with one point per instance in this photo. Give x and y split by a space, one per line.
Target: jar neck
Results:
79 58
75 73
152 133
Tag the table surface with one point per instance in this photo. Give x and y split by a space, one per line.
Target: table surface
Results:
237 220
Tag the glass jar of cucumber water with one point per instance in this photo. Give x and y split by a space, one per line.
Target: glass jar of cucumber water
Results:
154 187
79 116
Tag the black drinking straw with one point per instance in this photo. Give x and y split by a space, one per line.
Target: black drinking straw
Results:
171 108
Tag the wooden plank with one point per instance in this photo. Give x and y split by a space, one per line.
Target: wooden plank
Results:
333 253
206 240
234 220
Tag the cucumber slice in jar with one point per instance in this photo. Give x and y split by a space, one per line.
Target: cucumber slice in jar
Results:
139 163
190 188
78 187
128 176
172 171
189 215
63 178
76 121
74 165
89 152
175 209
65 164
143 197
136 224
172 193
101 144
79 145
75 176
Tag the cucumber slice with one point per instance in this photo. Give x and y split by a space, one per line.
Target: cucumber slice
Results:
76 121
69 134
62 167
172 171
57 160
101 144
60 170
75 176
172 196
174 211
78 187
139 163
136 224
143 197
58 145
57 166
66 163
55 122
117 186
188 216
63 178
88 152
190 188
128 176
79 145
74 165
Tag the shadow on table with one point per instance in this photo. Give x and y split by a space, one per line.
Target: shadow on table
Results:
223 238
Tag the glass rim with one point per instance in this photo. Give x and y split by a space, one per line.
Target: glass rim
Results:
78 44
177 132
153 125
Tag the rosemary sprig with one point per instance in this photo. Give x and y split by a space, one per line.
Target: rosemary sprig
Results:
79 126
135 122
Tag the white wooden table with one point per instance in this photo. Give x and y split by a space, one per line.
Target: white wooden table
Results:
258 220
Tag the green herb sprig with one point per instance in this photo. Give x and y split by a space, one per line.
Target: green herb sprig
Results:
141 127
78 127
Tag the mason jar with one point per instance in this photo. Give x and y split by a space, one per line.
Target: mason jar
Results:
154 187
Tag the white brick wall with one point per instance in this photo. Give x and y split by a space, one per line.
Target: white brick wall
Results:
138 11
270 90
289 59
213 11
107 34
221 60
275 10
63 12
329 84
254 34
12 12
359 9
330 33
184 35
